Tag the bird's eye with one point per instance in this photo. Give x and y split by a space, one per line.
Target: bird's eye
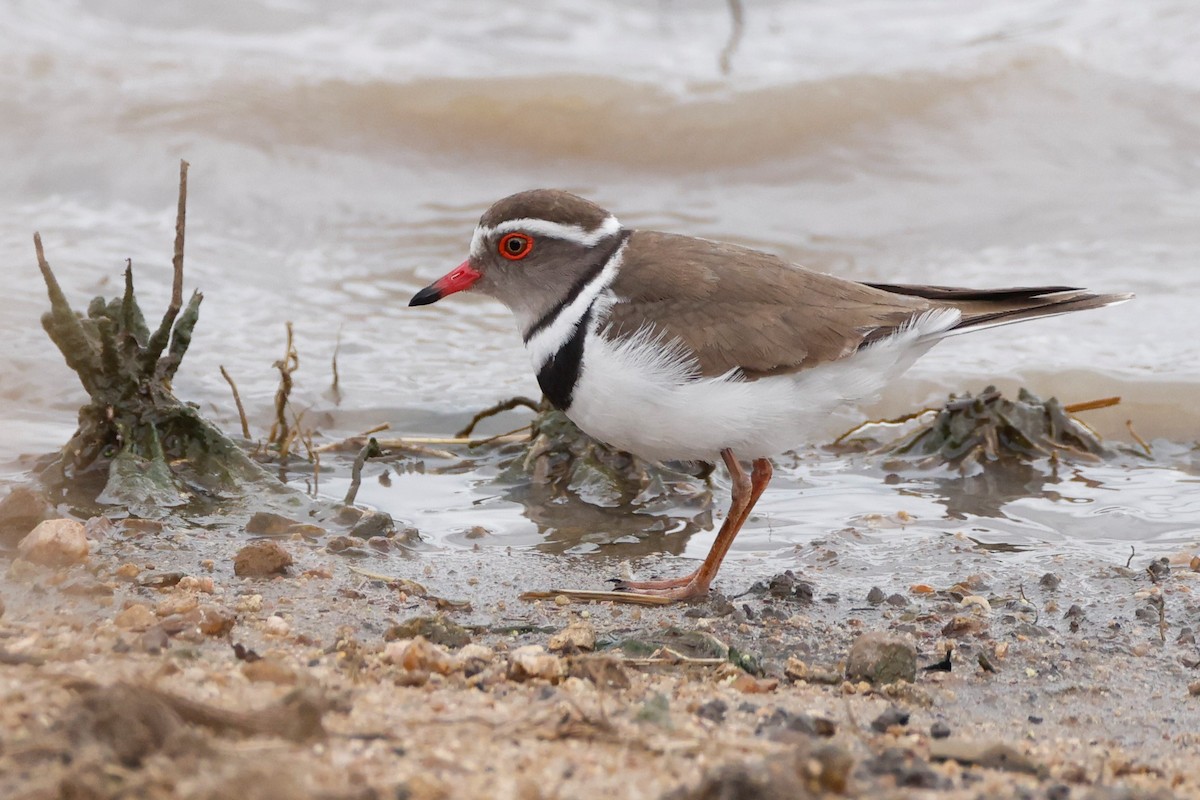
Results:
515 246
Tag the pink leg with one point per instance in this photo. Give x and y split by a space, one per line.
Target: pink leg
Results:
746 491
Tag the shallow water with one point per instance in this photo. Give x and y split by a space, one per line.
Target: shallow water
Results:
342 152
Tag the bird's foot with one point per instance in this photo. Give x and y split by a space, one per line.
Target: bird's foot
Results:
667 583
687 587
676 591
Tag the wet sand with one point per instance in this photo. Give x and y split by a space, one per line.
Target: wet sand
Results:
1085 692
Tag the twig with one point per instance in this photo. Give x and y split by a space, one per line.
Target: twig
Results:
587 596
894 421
286 366
418 444
369 450
1136 438
1129 560
337 392
237 400
498 408
735 35
1092 405
502 437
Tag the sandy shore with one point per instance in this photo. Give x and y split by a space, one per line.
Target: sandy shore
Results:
151 670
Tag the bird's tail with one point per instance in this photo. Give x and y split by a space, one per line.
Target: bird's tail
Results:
987 308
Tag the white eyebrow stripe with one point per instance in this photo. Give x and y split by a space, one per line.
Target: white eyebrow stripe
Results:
550 339
553 230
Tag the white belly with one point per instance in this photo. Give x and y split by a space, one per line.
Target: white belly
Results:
636 396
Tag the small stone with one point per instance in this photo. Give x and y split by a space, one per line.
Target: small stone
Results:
135 617
215 620
532 661
276 625
133 526
55 543
373 523
1194 688
261 557
713 711
963 625
161 580
176 603
875 596
1050 581
1159 569
269 670
897 600
1194 564
977 602
154 640
991 755
189 583
781 723
579 635
748 684
795 669
20 511
264 523
939 730
881 658
562 600
420 655
437 629
307 530
891 717
250 604
128 571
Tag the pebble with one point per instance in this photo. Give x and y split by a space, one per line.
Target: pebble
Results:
939 730
267 524
176 603
250 604
881 658
276 625
192 584
215 620
20 511
713 710
977 601
992 755
532 661
420 655
1194 688
128 571
55 543
135 617
436 628
875 596
269 670
892 716
579 635
373 523
261 557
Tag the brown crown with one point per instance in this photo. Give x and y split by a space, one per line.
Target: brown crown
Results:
552 205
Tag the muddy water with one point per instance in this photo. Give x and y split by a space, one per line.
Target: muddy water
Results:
342 151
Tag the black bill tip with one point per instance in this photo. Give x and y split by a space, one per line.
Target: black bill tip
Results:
430 294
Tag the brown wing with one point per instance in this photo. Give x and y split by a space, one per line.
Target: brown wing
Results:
736 308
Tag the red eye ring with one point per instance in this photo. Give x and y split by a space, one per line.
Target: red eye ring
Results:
515 246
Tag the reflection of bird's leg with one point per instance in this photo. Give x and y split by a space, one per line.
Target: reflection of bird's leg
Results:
746 491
